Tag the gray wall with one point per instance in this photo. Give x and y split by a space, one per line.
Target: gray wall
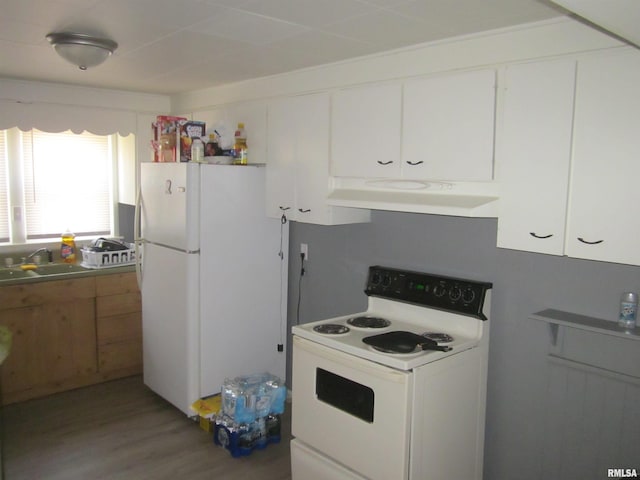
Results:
518 426
126 215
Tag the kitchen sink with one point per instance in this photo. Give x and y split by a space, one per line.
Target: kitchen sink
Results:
16 274
41 271
58 269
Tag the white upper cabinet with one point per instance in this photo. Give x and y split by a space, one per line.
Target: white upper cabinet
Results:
448 127
534 155
605 178
298 162
281 161
436 128
365 131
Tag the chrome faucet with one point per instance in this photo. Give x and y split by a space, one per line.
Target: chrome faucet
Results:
49 253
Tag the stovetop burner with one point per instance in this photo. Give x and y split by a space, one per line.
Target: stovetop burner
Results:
369 322
438 337
331 329
388 351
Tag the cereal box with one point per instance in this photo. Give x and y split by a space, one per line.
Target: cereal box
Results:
189 129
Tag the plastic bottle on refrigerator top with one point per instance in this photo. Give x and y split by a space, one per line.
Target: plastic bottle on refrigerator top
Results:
68 247
197 150
211 148
628 310
240 146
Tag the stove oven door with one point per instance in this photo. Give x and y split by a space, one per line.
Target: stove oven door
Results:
353 412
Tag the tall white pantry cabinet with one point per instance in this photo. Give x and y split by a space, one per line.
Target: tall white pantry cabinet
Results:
298 162
570 169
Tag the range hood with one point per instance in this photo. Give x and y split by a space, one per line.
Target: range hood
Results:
620 17
441 198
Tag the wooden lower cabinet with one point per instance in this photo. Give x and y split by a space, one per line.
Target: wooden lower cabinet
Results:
119 325
54 331
70 333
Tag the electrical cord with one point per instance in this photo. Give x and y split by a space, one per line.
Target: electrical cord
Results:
302 272
283 321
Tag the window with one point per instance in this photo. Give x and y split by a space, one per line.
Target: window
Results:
4 191
56 181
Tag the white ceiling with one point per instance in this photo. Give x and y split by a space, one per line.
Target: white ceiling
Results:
170 46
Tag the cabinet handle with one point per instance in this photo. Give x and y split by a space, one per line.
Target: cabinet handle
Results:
535 235
284 209
385 163
414 163
304 211
590 243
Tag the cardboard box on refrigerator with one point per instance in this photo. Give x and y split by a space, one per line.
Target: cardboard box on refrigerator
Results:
189 129
165 135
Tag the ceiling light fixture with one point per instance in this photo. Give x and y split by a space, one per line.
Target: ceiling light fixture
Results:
82 50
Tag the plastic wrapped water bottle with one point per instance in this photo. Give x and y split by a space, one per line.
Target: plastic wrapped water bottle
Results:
628 310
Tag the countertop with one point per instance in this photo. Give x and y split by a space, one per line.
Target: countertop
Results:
78 272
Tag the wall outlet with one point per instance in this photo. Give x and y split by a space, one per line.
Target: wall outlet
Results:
304 249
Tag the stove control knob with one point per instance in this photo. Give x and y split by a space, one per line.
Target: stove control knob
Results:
468 295
455 293
386 281
439 290
376 278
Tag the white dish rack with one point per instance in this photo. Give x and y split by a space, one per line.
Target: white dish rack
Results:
110 259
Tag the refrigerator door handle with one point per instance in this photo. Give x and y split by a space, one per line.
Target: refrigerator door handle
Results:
137 241
181 250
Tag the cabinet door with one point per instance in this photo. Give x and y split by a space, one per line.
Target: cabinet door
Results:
53 345
298 168
281 161
448 127
311 114
365 131
605 194
534 156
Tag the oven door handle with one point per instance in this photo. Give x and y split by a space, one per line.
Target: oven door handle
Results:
350 361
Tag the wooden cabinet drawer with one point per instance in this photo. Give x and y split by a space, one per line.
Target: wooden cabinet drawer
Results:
118 304
119 328
125 356
31 294
116 284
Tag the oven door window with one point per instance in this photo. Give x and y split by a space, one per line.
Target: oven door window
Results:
345 394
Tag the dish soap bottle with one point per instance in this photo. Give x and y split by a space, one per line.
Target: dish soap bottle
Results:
240 146
68 247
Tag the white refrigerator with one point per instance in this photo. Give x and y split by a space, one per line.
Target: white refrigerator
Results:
213 277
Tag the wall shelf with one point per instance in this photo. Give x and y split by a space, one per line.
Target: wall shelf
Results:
557 318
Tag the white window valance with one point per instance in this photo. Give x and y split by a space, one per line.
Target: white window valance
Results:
55 118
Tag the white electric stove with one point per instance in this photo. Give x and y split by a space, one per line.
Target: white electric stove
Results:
397 391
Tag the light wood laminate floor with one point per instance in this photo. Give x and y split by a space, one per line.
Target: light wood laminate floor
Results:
122 430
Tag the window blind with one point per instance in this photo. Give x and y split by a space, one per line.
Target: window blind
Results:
67 180
4 190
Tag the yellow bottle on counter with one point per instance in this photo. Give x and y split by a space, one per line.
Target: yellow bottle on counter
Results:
68 247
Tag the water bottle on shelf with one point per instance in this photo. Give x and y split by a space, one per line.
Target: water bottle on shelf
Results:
628 310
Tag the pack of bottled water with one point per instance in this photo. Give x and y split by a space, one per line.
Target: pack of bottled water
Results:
250 415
